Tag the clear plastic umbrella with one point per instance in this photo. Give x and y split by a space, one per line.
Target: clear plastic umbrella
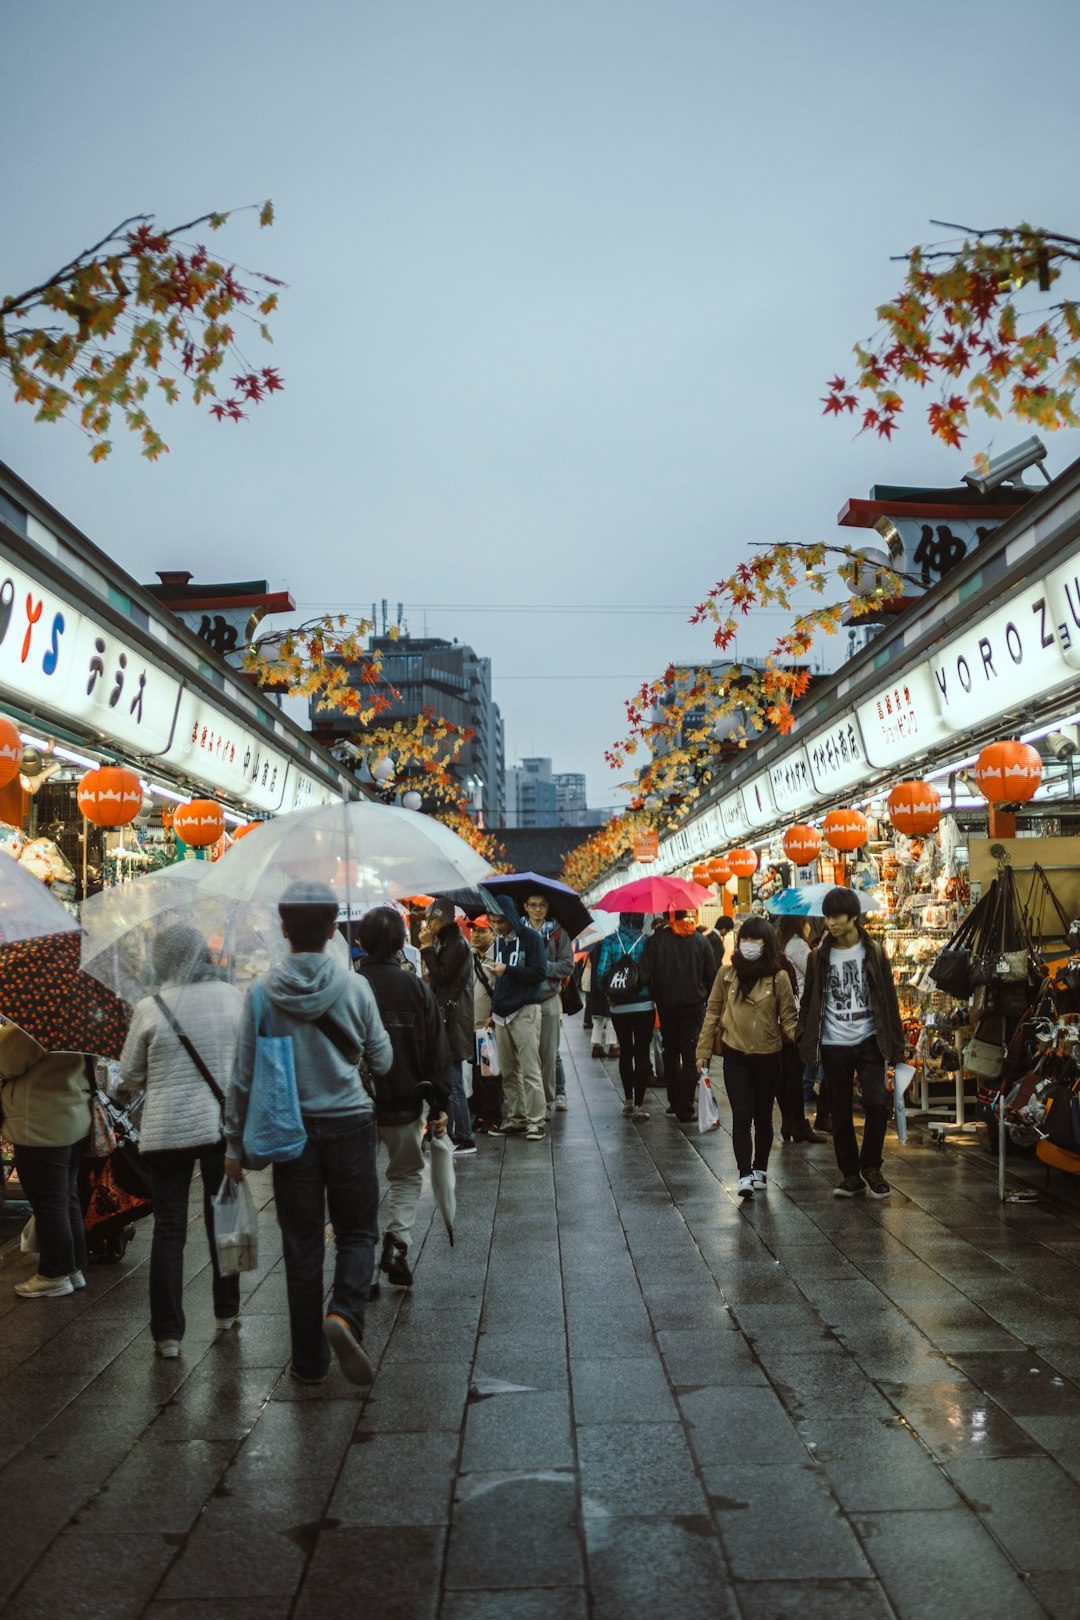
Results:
366 852
27 909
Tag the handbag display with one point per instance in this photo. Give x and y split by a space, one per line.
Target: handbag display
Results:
952 968
984 1054
273 1130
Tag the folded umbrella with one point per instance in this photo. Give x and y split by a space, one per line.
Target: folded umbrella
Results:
444 1181
565 904
656 894
44 991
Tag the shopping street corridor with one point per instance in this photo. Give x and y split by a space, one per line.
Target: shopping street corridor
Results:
620 1394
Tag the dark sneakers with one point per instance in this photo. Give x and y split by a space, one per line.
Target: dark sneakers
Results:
850 1187
876 1185
393 1264
350 1353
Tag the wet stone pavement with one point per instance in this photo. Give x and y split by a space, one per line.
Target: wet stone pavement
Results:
621 1393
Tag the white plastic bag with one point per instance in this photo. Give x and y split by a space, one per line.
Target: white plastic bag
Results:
28 1243
489 1054
236 1227
708 1115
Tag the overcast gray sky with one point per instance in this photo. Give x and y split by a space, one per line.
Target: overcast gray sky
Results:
567 278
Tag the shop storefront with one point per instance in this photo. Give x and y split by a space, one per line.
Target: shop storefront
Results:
990 653
93 670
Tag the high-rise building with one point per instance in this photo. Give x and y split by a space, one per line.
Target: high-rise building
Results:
450 679
531 799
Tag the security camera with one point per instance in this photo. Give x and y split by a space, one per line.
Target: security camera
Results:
1007 469
1063 744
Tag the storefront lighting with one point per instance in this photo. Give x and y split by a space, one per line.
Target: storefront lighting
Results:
60 753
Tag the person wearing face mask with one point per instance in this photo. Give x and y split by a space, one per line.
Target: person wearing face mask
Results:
751 1012
675 964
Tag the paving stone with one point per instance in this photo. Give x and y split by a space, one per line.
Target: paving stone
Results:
518 1431
625 1468
1022 1382
956 1419
155 1491
808 1540
812 1600
944 1563
634 1390
745 1425
1028 1505
539 1365
406 1395
1056 1593
396 1479
233 1563
703 1356
553 1603
260 1608
875 1466
110 1579
822 1383
543 1548
648 1566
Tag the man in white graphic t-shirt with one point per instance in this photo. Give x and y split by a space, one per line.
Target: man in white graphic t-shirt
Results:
849 1021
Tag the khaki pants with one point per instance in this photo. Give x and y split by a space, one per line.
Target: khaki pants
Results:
550 1030
405 1173
518 1045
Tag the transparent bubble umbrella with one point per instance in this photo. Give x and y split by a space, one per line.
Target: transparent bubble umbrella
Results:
27 909
367 853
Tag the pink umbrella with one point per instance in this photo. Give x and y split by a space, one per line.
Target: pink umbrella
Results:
652 894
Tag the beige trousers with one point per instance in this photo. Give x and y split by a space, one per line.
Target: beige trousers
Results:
405 1173
550 1030
518 1045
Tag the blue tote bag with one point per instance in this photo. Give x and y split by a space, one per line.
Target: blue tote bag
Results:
273 1131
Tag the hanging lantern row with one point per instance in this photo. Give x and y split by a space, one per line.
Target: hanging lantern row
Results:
914 808
743 862
10 751
110 796
200 823
1008 772
802 844
845 830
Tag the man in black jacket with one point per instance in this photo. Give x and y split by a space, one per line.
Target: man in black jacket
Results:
412 1021
519 974
849 1021
676 965
448 965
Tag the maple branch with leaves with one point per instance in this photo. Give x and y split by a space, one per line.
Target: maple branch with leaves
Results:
173 307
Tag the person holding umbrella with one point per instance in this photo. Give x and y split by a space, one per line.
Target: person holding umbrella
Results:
448 964
560 955
519 970
45 1101
632 1012
411 1018
675 965
751 1013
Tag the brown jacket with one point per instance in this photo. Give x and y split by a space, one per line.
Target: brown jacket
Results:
755 1023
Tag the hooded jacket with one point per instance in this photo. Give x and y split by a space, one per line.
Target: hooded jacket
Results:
412 1020
888 1028
677 968
560 954
626 941
524 954
450 974
300 989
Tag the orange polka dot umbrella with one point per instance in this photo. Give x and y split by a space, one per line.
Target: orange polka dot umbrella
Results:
45 992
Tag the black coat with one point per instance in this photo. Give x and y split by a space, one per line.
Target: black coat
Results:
450 974
411 1019
677 968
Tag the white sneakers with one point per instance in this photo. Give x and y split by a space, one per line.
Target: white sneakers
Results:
746 1187
760 1180
628 1107
167 1349
39 1287
77 1280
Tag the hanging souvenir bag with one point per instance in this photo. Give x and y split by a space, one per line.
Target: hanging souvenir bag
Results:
984 1054
951 970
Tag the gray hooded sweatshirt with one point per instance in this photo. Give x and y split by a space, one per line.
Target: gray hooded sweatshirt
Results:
300 989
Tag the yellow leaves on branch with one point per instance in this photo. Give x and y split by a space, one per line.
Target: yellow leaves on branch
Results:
142 304
956 321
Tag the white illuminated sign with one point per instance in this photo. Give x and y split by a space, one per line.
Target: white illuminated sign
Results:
1004 659
902 720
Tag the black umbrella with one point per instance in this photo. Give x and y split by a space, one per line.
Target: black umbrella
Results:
565 905
473 902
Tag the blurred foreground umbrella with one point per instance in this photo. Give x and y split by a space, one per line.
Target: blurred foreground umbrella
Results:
365 851
27 909
444 1181
806 902
44 991
602 925
656 894
565 905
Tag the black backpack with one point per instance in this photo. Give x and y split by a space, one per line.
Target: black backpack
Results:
624 981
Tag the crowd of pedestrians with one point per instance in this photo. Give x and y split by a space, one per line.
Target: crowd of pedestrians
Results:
388 1056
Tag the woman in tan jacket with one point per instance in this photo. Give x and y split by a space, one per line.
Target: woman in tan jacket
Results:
750 1014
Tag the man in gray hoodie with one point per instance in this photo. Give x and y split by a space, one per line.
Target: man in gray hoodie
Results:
332 1018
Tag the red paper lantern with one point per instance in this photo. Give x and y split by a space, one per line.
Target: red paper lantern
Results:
111 796
200 823
242 832
1008 772
914 808
802 844
719 869
743 862
10 751
846 830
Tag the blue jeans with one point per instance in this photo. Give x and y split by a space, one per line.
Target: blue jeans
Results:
335 1172
458 1107
170 1178
560 1076
50 1180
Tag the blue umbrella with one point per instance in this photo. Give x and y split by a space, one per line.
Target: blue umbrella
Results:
564 903
806 902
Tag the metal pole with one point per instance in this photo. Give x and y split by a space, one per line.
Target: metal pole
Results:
1001 1146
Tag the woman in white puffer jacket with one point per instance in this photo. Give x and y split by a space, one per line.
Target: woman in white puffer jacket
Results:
181 1120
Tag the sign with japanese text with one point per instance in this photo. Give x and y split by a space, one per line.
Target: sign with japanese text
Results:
836 756
902 720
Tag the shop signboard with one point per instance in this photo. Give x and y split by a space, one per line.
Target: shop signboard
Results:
735 822
902 720
791 783
1063 596
647 846
757 801
1003 661
837 757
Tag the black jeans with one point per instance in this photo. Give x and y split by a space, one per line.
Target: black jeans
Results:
842 1064
789 1092
50 1180
336 1171
634 1032
751 1079
170 1177
679 1030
